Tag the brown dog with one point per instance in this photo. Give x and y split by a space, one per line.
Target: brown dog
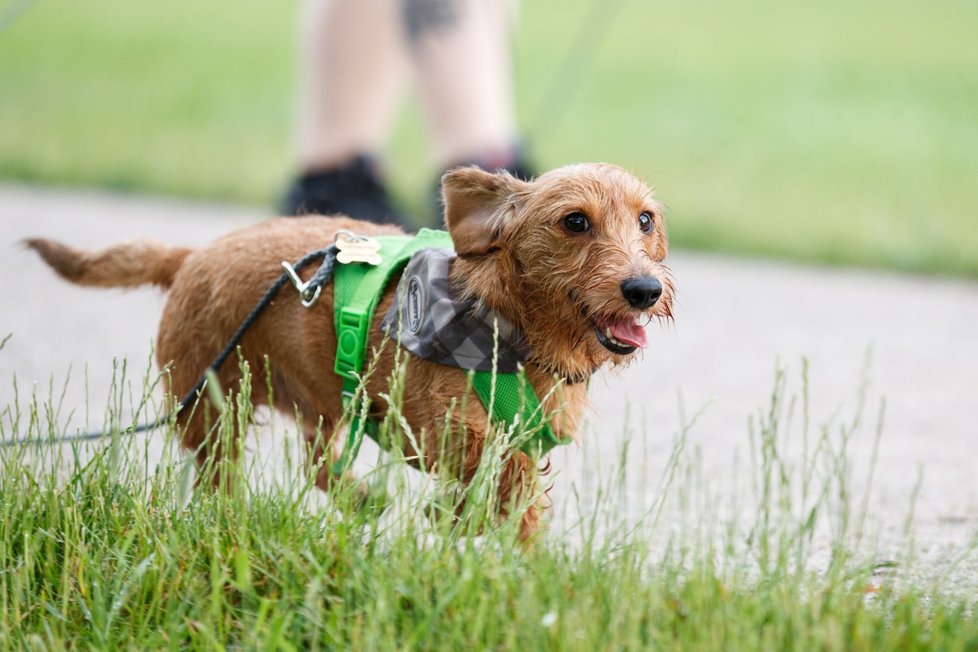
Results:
573 259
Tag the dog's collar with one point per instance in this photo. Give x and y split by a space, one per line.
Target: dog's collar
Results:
562 375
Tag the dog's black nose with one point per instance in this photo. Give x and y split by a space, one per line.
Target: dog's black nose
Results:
641 292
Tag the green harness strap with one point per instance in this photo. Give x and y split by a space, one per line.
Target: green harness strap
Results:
357 288
512 398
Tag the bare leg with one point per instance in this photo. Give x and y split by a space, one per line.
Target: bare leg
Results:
460 50
351 74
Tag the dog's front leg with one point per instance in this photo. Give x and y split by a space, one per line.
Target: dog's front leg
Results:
516 484
322 456
520 490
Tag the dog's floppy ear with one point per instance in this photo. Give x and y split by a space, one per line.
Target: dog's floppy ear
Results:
477 205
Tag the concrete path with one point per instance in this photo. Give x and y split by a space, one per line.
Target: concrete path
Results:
735 319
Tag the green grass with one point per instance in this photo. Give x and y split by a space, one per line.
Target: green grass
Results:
113 550
825 131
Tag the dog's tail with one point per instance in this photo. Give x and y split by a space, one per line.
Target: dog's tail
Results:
140 262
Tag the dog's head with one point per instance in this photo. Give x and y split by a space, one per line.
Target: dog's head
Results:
573 258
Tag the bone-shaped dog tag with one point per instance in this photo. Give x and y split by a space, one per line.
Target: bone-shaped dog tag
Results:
358 250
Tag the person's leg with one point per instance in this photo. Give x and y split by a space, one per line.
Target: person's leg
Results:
352 67
351 75
461 55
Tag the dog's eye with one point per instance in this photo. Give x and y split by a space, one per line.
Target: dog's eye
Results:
645 222
577 223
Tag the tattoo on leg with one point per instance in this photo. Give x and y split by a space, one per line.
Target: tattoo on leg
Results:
424 17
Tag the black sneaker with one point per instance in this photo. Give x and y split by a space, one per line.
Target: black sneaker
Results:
517 165
353 189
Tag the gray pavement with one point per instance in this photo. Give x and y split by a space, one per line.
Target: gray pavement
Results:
735 319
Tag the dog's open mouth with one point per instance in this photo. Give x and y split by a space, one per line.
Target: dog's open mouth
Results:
621 335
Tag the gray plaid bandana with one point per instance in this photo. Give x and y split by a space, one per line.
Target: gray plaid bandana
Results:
428 320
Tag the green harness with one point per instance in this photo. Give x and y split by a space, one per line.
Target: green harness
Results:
357 288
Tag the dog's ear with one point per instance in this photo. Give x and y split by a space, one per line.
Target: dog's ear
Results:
477 206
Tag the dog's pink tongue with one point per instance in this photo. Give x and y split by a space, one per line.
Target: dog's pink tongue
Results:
629 332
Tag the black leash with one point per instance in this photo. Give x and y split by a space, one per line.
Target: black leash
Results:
309 293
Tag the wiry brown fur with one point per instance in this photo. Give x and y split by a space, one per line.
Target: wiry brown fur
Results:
549 282
127 265
515 255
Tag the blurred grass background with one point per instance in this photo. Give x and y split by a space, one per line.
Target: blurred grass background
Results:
830 131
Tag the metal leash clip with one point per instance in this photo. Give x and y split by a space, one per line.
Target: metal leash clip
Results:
307 294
